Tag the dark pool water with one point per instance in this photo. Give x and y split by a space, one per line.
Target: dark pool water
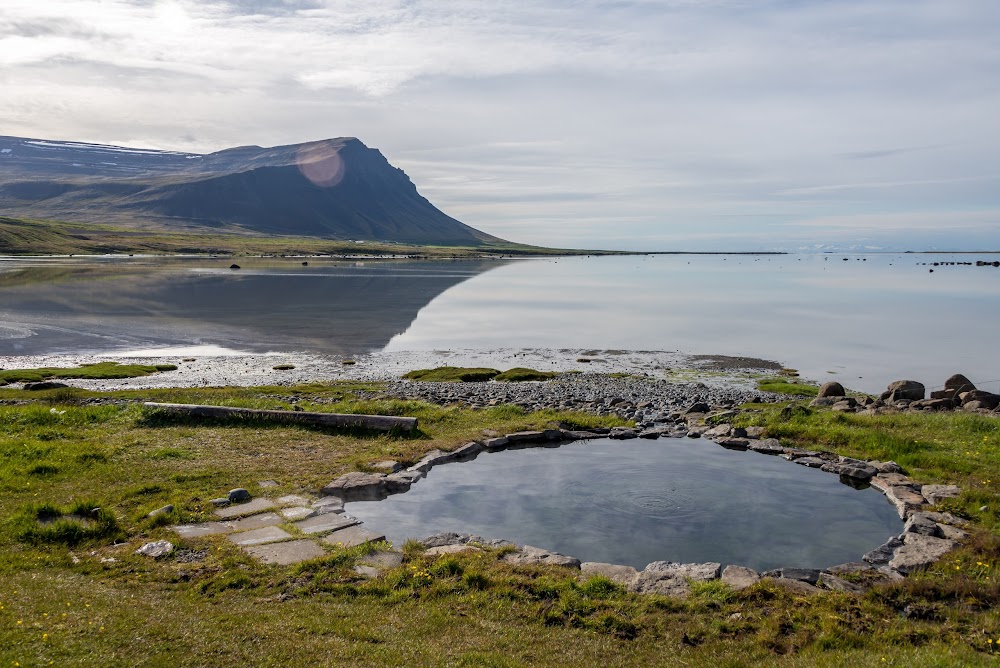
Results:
633 502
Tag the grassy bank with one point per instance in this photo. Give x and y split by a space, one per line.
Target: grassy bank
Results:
84 600
44 237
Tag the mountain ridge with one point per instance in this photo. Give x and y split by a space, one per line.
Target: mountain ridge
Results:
333 188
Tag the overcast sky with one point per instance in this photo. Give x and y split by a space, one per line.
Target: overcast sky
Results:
645 124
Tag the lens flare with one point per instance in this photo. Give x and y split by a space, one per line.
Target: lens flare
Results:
321 164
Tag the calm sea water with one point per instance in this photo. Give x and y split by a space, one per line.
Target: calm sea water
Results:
864 321
633 502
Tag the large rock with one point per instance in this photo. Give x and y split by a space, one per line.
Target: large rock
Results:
767 446
831 389
957 384
670 579
44 385
740 577
983 399
920 551
907 390
536 556
623 575
935 493
883 554
357 486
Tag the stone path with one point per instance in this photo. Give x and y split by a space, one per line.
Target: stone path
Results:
286 530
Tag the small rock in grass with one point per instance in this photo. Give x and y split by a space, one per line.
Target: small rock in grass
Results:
220 502
165 510
156 549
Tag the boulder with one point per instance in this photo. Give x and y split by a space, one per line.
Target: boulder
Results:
831 389
935 493
921 523
833 583
795 586
957 384
884 553
697 407
734 443
986 400
623 575
536 556
238 495
740 577
767 446
357 486
920 551
44 385
904 390
670 579
810 575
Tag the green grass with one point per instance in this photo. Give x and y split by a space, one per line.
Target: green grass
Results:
92 371
20 236
453 374
89 600
521 374
791 387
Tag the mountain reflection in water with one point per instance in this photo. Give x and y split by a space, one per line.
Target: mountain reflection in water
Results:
334 307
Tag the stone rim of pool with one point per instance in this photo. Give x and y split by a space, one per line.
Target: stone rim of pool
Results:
925 535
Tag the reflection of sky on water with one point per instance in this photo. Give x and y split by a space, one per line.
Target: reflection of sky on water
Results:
868 321
639 501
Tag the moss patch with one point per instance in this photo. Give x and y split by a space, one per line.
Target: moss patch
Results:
94 371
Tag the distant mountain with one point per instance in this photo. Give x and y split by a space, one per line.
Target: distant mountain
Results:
335 189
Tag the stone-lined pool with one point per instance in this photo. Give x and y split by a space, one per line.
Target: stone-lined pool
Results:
637 501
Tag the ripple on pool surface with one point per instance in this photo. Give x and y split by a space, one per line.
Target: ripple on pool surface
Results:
632 502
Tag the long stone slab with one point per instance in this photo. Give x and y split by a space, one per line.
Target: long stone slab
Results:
325 523
287 553
203 529
257 521
352 536
260 536
248 508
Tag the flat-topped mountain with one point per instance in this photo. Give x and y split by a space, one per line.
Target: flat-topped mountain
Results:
334 188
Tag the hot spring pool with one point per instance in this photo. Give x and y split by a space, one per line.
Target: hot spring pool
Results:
636 501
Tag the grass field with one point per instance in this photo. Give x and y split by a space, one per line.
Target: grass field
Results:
69 599
45 237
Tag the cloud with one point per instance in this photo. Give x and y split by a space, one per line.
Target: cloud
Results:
681 117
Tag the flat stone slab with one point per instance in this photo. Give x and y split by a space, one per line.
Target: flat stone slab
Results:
357 486
329 504
257 521
326 523
451 549
260 536
248 508
293 500
287 553
203 529
535 556
296 513
352 536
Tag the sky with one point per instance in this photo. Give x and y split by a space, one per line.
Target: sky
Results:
642 124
